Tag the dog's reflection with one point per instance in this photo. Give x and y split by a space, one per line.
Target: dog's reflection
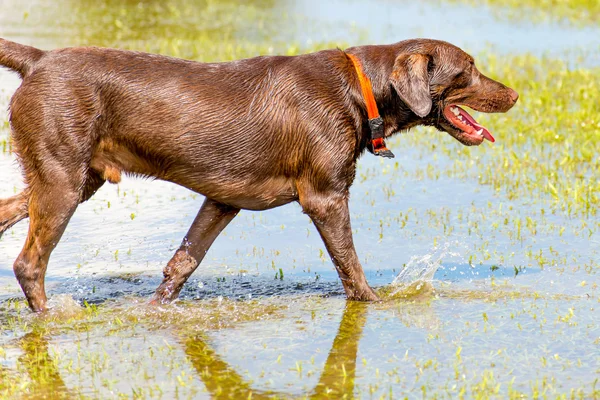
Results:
45 381
336 380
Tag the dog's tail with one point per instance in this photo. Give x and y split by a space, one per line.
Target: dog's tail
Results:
19 57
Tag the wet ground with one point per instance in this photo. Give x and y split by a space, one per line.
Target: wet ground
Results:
491 291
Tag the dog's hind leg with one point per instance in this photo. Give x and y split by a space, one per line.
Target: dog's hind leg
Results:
54 131
210 221
13 210
50 209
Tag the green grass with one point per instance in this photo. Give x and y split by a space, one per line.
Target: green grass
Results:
206 30
575 12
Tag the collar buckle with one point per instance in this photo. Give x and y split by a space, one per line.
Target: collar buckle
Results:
378 138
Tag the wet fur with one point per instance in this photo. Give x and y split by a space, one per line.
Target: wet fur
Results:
249 134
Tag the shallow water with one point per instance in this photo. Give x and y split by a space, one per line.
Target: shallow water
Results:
471 296
472 28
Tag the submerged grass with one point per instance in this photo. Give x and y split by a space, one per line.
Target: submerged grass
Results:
76 352
425 291
42 369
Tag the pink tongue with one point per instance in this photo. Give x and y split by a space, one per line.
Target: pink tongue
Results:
486 134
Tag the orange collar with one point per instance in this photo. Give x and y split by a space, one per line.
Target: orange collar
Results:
375 120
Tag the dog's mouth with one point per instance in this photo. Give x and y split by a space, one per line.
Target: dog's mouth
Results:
465 129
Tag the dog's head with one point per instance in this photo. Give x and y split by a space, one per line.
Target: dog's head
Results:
434 78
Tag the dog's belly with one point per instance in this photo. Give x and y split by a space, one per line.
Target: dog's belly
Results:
258 195
244 185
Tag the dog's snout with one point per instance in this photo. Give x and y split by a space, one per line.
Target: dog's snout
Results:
514 96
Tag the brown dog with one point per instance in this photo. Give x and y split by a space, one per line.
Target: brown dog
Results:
249 134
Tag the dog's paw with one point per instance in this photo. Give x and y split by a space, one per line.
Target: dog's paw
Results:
366 294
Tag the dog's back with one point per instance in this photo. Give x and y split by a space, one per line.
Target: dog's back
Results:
237 132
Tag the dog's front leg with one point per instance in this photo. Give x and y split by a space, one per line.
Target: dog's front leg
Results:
212 218
331 216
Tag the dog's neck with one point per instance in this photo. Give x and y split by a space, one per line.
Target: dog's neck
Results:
377 66
377 137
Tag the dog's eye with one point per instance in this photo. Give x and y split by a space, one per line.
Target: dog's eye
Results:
463 78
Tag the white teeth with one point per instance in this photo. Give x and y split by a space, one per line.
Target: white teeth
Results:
480 132
460 117
455 111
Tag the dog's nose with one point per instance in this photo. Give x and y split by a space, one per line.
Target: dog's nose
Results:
514 96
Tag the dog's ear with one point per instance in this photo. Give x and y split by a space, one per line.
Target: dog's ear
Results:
410 78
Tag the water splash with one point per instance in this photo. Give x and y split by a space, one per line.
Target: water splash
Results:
418 273
63 307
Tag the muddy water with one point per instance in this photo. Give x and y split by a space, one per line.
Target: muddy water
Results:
471 304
